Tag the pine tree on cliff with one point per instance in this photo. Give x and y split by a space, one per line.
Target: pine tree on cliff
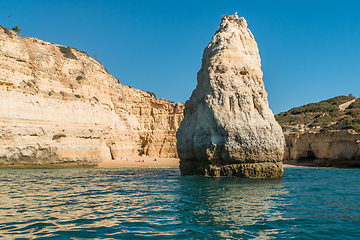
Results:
16 29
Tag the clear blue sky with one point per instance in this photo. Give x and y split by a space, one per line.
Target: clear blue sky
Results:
310 50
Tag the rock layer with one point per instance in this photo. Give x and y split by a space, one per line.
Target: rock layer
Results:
326 148
228 128
60 107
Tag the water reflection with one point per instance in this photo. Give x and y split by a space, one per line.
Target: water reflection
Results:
128 203
159 203
64 203
248 207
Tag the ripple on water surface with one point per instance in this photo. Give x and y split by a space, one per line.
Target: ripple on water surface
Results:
309 203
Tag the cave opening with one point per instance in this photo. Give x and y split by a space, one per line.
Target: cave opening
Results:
308 160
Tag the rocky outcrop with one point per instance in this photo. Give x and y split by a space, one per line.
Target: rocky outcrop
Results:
326 148
228 128
60 107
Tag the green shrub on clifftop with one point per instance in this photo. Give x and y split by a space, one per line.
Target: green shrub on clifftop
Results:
324 115
16 29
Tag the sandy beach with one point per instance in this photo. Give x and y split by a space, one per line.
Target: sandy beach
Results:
142 162
301 163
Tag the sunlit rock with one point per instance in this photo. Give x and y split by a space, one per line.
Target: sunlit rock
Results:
60 107
228 128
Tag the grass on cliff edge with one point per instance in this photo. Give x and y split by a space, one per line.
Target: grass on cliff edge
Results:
324 115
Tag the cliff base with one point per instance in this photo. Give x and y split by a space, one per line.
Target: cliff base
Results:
243 170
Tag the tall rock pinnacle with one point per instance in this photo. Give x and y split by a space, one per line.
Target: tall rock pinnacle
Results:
228 128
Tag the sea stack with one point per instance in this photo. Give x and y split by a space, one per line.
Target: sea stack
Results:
228 128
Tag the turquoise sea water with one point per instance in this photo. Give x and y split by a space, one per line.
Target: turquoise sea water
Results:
307 203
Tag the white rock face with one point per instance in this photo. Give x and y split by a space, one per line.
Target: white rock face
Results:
228 128
60 107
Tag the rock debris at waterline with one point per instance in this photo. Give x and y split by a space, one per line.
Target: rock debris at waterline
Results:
228 128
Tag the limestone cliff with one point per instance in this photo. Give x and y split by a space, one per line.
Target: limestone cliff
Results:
228 128
326 148
60 107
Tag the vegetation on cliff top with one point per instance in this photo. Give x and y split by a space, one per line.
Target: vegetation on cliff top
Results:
324 115
16 29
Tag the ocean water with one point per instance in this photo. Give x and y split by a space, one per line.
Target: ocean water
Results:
158 203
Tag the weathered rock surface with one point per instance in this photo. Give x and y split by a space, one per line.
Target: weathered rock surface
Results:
327 148
228 128
60 107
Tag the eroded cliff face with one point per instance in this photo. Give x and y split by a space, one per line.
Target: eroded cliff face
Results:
327 148
60 107
157 122
228 128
